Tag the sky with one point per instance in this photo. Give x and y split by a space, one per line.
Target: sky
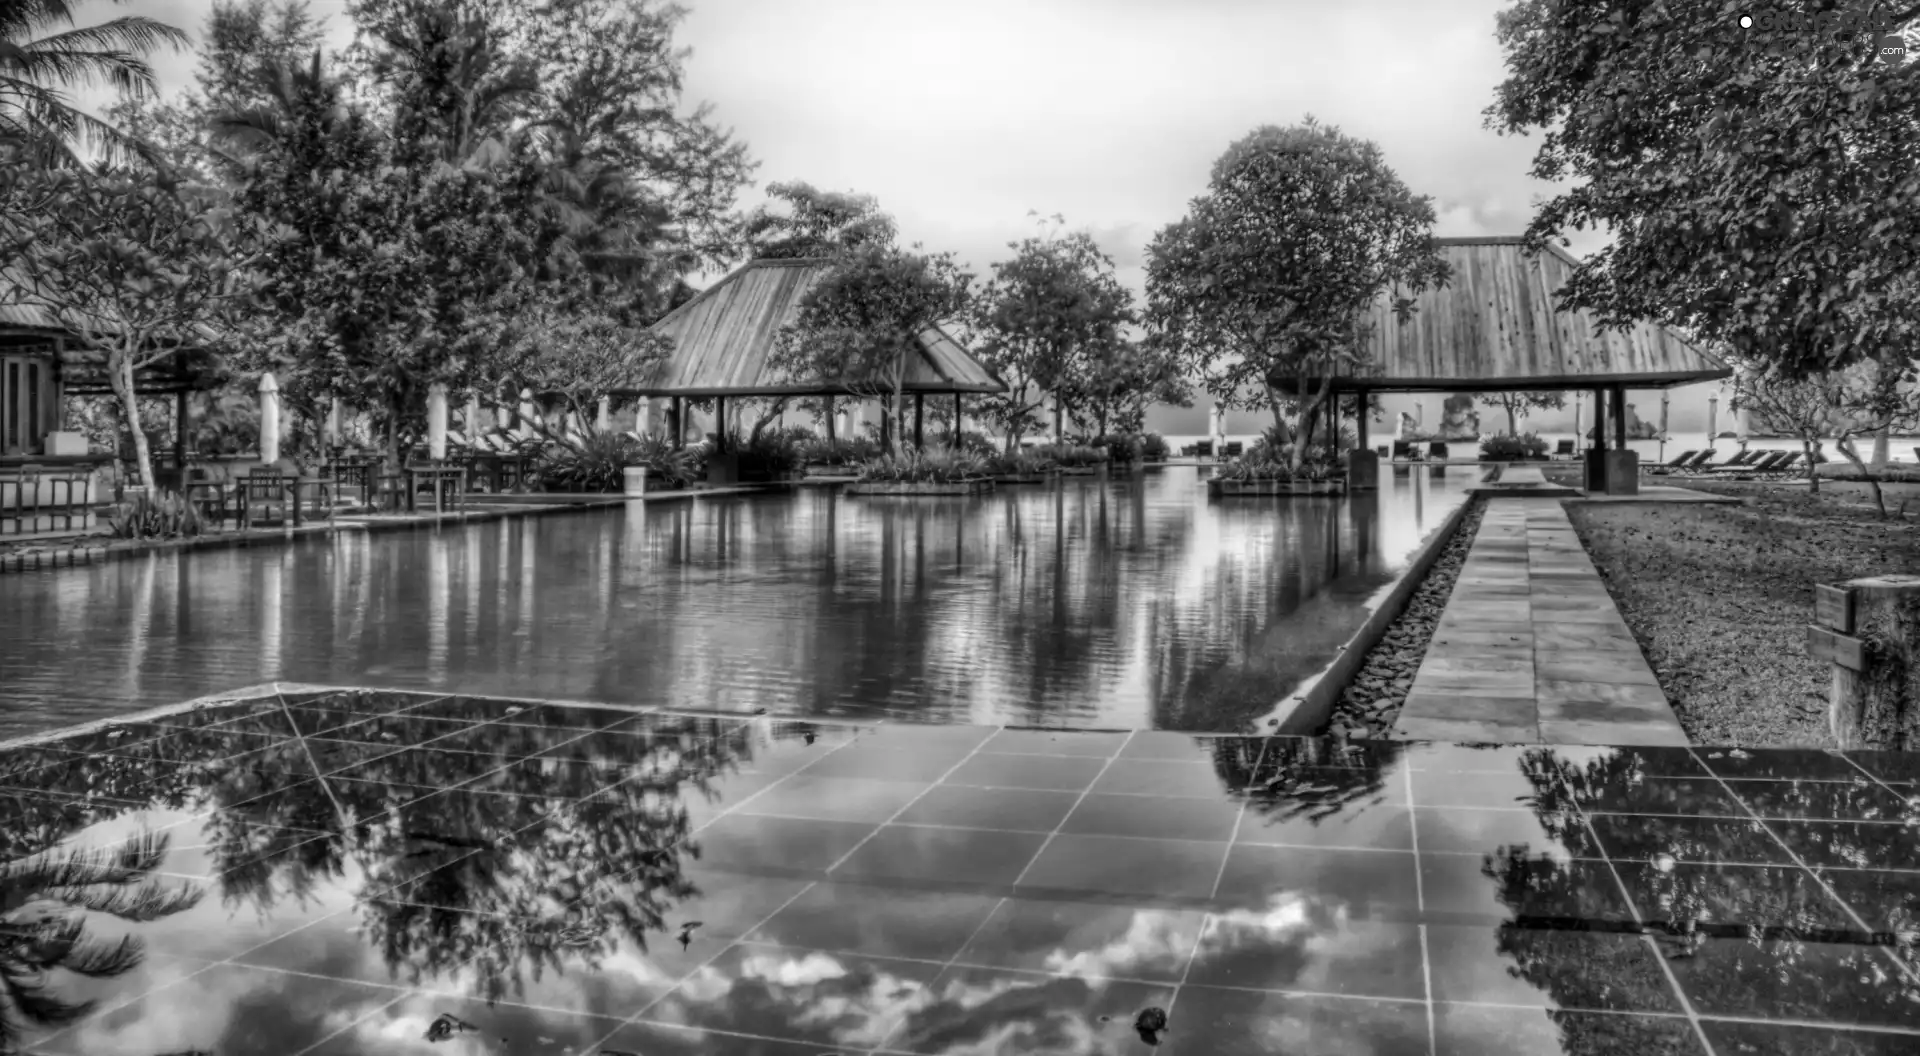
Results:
964 118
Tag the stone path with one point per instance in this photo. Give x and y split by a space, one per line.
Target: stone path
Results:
1531 649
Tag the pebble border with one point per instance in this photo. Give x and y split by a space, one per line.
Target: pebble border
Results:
1370 703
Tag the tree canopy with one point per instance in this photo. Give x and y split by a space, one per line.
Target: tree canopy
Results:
1758 185
1272 270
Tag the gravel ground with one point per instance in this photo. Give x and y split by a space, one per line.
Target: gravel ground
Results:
1372 702
1719 598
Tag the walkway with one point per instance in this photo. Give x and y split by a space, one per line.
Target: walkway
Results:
1531 649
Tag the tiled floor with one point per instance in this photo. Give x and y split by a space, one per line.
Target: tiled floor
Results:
338 872
1531 649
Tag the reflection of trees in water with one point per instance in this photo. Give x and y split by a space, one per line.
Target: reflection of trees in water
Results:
46 895
1741 940
1294 778
552 867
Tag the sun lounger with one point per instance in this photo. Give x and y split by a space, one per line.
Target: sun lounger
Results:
1402 451
1788 466
1563 451
1754 469
1437 451
1680 460
1743 460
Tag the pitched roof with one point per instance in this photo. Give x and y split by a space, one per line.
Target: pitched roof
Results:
723 337
1496 325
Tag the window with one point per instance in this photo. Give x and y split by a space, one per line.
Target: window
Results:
26 385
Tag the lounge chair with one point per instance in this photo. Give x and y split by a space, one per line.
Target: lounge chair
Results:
1437 451
1402 451
1766 463
1234 449
1743 460
1564 451
1787 466
1204 449
1677 462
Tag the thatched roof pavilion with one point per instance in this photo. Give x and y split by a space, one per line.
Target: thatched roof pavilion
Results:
724 338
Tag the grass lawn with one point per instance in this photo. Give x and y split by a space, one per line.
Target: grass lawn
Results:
1720 598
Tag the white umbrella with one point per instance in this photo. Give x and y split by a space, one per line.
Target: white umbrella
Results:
269 420
437 422
1579 424
1713 416
1663 425
1744 427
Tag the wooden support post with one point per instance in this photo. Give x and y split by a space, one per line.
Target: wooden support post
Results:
1360 419
919 420
719 423
1619 418
180 425
1599 438
1869 630
832 433
675 411
956 421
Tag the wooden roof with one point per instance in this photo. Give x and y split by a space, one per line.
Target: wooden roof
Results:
1496 325
722 340
83 370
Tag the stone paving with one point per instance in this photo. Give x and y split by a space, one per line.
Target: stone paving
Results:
1531 649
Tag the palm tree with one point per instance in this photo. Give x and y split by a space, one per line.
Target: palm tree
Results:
44 899
38 59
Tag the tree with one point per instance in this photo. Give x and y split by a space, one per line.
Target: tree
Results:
814 223
1120 381
34 111
138 272
1870 397
859 328
1046 321
1748 178
1517 404
570 355
1272 271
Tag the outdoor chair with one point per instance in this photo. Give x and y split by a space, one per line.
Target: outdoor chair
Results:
1234 449
1204 449
1739 461
1563 451
1702 463
1788 465
1437 451
1403 451
1766 463
56 493
1679 461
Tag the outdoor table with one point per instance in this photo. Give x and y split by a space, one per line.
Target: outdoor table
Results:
357 471
438 475
267 490
209 497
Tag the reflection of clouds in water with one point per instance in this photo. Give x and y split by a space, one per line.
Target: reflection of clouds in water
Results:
1315 941
218 1007
861 1011
1151 937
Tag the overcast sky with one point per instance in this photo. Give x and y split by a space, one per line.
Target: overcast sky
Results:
961 118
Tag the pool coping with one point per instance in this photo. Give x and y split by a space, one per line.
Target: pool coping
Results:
104 553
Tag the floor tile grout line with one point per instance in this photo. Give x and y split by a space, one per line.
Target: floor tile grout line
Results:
1847 907
702 966
1420 903
945 967
1051 836
771 785
922 794
1878 780
1646 936
1239 818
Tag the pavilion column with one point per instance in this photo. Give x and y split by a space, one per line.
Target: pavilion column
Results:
919 420
719 423
1619 417
1360 420
679 425
180 426
1599 419
957 418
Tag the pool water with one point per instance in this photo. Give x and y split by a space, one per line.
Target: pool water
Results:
1129 603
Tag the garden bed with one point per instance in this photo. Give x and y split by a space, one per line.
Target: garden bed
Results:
957 487
1020 478
1370 704
1079 471
1275 487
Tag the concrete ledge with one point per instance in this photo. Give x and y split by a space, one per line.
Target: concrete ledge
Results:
1311 704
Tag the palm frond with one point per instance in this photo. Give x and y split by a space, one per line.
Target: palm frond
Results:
30 1003
88 866
149 901
104 960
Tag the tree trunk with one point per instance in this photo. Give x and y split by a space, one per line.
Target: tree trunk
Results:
1513 421
833 434
120 370
1813 479
1882 447
778 408
393 432
1853 455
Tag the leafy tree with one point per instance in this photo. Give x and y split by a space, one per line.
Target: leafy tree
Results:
137 271
43 51
859 327
1121 380
1749 178
570 355
1048 321
1270 274
1870 397
815 223
1517 404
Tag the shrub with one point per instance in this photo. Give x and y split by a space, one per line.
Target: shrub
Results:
1071 456
1153 448
1018 464
922 467
774 453
971 442
1119 447
657 454
841 451
147 516
1512 448
1263 463
598 464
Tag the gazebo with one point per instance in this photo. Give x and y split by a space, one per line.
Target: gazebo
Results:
723 339
43 361
1496 326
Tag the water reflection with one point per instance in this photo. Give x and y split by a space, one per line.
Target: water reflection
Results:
534 870
1135 603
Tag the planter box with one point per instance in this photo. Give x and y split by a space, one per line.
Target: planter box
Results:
962 487
1021 478
1276 487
